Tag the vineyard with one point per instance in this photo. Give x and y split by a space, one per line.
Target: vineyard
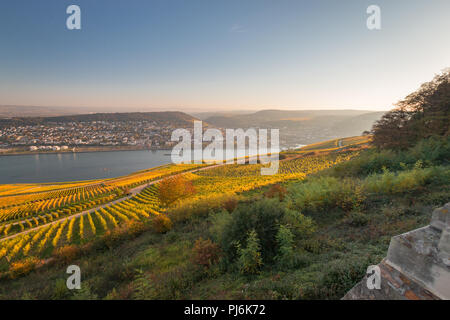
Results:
38 223
81 228
239 178
28 188
335 145
22 212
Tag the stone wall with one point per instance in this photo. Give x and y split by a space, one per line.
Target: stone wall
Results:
417 266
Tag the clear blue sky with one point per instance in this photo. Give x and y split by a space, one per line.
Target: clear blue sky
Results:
220 54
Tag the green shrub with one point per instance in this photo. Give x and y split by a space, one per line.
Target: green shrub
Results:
301 225
170 285
249 260
432 151
436 198
398 212
84 293
219 221
340 276
323 243
405 181
60 290
285 240
200 208
263 216
356 219
322 193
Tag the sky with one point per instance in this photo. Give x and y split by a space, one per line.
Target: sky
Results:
220 54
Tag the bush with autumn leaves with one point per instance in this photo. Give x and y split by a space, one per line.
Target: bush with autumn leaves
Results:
174 188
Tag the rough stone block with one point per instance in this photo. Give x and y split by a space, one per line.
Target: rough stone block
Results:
441 218
417 265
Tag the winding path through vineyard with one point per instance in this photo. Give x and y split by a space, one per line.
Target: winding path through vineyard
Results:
132 193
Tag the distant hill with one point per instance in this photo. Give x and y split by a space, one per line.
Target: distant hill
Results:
357 124
31 111
266 117
208 114
302 126
174 118
12 111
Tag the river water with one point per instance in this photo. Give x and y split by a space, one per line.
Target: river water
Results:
53 167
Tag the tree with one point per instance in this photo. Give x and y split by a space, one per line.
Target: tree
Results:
285 240
173 188
422 114
126 191
250 257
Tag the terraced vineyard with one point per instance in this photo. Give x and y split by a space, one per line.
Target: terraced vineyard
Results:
30 188
335 144
238 178
26 211
75 215
52 201
81 228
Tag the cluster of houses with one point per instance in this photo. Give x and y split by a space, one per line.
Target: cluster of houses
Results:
48 148
66 135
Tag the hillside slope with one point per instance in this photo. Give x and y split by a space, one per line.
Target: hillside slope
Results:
162 118
303 126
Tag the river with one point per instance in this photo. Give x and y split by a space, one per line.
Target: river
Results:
57 167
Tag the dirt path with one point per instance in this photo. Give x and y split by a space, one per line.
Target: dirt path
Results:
133 192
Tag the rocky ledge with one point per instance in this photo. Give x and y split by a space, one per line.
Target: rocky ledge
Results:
417 266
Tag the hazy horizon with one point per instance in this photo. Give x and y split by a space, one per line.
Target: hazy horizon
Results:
103 109
204 56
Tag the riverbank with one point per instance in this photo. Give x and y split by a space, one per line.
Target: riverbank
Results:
15 152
